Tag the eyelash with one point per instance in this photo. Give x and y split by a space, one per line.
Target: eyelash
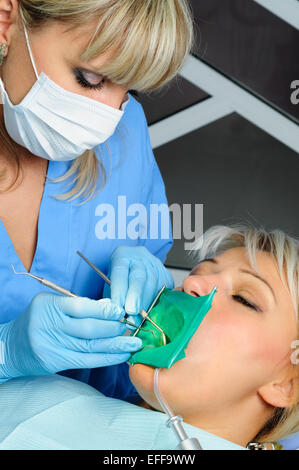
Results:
240 299
85 84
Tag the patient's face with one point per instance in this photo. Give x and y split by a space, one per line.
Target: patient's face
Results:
243 343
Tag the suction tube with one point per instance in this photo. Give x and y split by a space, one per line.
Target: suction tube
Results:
176 422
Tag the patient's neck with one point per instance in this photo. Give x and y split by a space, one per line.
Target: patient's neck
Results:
144 404
239 424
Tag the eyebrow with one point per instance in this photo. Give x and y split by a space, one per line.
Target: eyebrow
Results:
245 271
212 260
251 273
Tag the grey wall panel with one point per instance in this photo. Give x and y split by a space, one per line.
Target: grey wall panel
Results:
252 46
238 172
179 94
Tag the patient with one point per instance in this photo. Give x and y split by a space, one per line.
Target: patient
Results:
238 382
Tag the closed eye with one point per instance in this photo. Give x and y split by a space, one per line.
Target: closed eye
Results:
82 79
240 299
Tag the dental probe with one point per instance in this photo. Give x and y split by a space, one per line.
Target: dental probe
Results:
49 284
97 270
62 290
143 313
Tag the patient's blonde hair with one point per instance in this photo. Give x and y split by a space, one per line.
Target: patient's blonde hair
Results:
149 39
285 252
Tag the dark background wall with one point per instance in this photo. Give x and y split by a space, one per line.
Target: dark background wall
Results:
239 172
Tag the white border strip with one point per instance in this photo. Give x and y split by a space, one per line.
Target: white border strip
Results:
189 120
287 10
245 104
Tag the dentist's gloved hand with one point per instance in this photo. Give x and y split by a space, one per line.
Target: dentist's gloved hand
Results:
57 333
136 278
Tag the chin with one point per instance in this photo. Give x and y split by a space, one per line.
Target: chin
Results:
142 377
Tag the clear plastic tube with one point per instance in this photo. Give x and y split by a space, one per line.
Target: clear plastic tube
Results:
176 422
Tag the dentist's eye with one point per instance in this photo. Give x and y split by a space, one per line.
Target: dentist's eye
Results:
240 299
85 79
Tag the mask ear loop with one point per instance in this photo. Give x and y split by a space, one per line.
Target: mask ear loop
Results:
30 51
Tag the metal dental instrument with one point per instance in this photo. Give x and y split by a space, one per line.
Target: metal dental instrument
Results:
61 290
49 284
108 281
97 270
145 316
142 313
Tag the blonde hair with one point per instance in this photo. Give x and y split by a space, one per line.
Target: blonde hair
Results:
285 252
149 41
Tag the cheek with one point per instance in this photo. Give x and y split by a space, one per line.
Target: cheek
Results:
271 345
221 336
237 347
224 350
240 340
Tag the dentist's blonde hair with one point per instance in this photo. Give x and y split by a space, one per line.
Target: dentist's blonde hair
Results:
149 41
285 252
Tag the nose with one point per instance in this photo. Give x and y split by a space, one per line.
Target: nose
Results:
199 285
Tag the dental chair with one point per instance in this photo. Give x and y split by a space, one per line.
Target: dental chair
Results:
290 443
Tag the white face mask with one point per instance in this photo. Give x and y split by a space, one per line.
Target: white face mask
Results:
56 124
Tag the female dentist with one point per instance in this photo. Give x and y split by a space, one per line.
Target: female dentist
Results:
67 119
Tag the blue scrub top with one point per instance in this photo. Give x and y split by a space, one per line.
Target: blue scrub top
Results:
66 226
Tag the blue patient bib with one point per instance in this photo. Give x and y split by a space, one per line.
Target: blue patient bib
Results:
60 413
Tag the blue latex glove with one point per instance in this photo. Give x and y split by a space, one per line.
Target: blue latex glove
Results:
57 333
136 278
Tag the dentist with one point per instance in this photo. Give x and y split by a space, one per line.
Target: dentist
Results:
68 119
